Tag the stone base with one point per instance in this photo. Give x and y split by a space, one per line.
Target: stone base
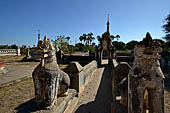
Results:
63 104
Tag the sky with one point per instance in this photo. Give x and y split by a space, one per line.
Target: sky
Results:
20 20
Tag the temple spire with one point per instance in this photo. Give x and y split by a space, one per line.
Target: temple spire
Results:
108 23
38 34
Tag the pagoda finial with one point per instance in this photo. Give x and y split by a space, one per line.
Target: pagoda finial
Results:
108 17
108 23
38 34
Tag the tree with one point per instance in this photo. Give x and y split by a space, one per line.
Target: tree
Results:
166 28
112 37
119 45
79 46
98 38
117 36
4 47
67 38
81 38
61 41
131 45
55 44
13 46
84 38
90 38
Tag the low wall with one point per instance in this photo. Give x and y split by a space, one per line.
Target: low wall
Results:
80 76
83 60
4 52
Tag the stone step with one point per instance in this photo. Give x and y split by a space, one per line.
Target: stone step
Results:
60 108
72 105
62 103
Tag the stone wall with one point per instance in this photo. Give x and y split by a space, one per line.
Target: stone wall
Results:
83 60
4 52
80 76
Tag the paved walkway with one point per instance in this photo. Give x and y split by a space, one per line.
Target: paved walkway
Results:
96 97
17 70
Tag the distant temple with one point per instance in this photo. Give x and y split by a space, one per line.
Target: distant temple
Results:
105 46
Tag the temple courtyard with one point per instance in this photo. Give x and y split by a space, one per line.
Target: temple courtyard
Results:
17 89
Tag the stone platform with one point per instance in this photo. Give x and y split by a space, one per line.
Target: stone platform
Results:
60 107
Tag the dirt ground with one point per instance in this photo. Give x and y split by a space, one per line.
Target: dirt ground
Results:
11 97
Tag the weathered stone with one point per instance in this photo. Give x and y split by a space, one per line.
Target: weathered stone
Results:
47 76
73 68
145 75
121 82
122 71
81 76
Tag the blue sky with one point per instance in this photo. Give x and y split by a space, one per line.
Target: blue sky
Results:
131 19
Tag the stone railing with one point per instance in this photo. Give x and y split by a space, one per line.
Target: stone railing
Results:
4 52
80 76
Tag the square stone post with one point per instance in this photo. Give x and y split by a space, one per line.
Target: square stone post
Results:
74 69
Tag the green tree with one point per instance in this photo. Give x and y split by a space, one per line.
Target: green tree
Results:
13 46
84 38
166 28
112 37
55 44
131 45
119 45
98 38
67 38
4 47
90 38
117 36
62 42
81 38
79 46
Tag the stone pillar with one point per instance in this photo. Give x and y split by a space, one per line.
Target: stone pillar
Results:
74 70
28 53
18 51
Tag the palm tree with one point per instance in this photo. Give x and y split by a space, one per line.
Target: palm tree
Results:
117 36
84 38
81 38
93 38
112 37
67 38
90 38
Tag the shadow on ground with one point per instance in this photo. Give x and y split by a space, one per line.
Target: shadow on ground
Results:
28 107
102 102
